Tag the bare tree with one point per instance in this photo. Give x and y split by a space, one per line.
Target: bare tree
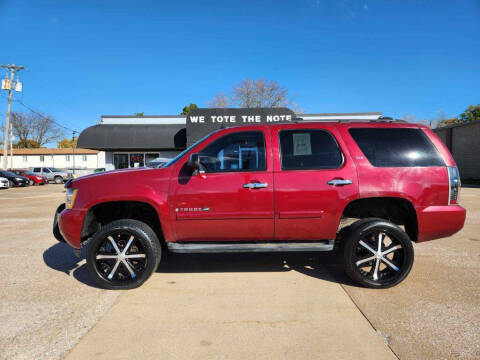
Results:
254 94
35 130
220 101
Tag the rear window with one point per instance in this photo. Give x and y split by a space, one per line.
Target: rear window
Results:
309 150
388 147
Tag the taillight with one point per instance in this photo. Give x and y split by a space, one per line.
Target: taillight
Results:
453 184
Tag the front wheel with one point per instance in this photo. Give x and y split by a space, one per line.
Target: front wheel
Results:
376 253
123 254
31 182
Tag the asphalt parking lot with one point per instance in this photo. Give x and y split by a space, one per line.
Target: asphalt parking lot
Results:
231 305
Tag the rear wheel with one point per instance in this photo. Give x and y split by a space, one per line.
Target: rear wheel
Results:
376 253
123 254
58 180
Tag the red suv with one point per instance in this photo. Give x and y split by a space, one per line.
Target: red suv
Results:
365 189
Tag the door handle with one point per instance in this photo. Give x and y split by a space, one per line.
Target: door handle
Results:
255 185
336 182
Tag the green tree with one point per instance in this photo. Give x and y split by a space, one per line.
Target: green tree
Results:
472 113
186 110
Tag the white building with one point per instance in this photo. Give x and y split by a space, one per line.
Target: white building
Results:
86 160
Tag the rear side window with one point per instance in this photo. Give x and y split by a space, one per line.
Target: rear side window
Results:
390 147
309 149
36 170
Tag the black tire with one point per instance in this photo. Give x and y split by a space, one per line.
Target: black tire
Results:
393 265
145 242
31 182
58 180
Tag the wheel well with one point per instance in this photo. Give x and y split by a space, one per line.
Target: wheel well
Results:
104 213
397 210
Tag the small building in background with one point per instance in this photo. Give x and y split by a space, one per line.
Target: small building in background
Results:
86 160
463 141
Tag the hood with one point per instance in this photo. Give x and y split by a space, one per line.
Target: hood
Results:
132 173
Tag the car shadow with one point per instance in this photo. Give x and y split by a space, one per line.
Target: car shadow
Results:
60 257
320 265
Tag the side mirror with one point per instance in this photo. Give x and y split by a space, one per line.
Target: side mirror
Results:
194 163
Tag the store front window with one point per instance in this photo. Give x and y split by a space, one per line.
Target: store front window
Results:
120 161
137 160
132 160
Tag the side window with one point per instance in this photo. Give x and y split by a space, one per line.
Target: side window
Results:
309 149
46 170
241 151
37 170
400 147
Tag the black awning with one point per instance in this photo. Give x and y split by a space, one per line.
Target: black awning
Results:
141 136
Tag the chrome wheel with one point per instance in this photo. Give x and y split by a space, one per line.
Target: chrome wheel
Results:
378 256
120 257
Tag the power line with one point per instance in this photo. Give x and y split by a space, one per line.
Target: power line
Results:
42 116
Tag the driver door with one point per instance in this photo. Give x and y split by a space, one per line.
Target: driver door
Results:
231 199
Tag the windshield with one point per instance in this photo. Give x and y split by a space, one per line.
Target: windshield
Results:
179 156
54 170
7 173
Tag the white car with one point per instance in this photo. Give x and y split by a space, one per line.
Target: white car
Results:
4 183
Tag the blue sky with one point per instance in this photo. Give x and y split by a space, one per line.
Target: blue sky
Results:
88 58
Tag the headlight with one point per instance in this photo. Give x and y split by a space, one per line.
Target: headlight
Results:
38 178
19 179
70 200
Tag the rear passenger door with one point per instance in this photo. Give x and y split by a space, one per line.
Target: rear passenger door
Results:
315 178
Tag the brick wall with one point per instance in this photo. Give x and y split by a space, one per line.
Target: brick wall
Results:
464 144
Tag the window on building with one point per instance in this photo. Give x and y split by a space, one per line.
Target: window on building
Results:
151 156
67 157
309 149
120 161
84 157
24 158
137 160
42 158
241 151
401 147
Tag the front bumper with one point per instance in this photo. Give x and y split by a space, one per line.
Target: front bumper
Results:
436 222
69 224
4 184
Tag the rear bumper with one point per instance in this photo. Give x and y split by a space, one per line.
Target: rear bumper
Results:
70 226
436 222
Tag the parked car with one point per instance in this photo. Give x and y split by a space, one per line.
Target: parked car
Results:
14 179
4 184
33 179
158 162
278 187
53 174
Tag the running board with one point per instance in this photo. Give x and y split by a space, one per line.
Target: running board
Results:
205 247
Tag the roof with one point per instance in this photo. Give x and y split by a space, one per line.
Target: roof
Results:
141 136
47 151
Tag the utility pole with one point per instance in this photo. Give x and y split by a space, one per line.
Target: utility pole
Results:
11 146
7 84
73 149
